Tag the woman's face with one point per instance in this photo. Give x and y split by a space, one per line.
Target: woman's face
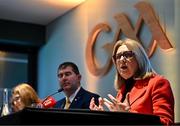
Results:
17 103
126 62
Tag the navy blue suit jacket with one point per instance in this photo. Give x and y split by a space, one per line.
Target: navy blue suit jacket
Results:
81 100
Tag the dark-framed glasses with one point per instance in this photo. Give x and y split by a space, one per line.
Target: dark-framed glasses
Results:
125 54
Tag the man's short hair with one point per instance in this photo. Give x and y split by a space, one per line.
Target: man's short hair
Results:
71 64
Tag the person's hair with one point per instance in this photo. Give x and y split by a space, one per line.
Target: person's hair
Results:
71 64
27 94
145 69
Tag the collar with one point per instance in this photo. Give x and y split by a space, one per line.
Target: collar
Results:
74 94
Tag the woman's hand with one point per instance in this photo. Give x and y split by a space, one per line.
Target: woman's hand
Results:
115 105
93 106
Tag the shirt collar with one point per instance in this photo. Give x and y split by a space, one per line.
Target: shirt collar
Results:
74 94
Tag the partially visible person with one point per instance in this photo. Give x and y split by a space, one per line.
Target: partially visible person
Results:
139 88
76 96
23 95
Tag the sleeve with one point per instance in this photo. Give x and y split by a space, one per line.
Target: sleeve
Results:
163 101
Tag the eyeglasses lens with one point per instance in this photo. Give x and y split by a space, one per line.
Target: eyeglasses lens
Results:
126 54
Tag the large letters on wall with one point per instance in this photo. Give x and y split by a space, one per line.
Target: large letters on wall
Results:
146 16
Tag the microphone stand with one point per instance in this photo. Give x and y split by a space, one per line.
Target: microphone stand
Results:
60 90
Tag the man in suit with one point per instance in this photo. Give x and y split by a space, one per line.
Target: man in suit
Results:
76 96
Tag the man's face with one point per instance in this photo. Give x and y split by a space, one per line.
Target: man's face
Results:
68 80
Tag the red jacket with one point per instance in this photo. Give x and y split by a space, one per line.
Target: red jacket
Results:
152 96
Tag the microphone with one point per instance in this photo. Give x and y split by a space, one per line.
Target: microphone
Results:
50 101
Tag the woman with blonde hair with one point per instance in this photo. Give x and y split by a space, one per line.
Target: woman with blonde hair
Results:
23 95
139 88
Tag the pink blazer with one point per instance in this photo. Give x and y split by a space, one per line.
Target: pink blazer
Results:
152 96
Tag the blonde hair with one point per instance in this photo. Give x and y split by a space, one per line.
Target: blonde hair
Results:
145 69
27 94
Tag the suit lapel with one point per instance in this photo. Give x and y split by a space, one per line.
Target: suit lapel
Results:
63 103
76 103
138 90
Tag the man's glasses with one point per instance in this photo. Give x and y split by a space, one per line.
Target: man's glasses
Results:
125 54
